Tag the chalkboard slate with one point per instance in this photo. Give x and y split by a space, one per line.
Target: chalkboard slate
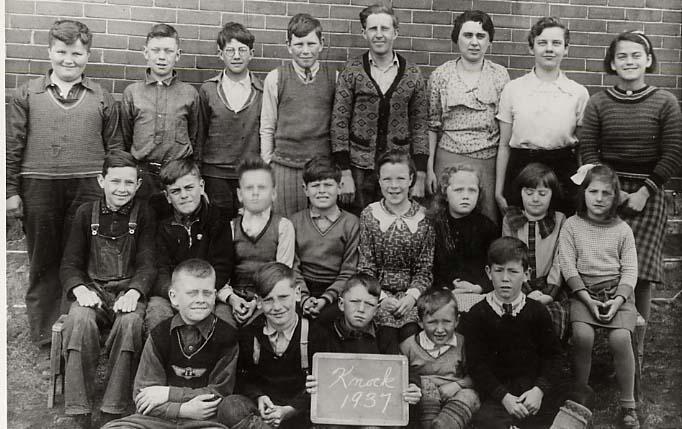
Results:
360 389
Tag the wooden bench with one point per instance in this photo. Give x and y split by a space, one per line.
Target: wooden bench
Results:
56 362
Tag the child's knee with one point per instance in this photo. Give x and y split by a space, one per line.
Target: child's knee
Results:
235 408
583 334
79 315
470 398
620 339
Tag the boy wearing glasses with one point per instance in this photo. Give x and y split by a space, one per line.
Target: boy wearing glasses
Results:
229 106
160 114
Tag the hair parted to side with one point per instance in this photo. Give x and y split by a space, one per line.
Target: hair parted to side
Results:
118 158
236 31
433 299
476 16
397 156
544 23
302 24
163 30
267 276
320 168
254 163
629 36
440 200
377 9
533 175
173 170
365 280
194 267
604 174
508 249
70 31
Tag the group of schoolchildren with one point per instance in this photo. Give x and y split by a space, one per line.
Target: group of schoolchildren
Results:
215 230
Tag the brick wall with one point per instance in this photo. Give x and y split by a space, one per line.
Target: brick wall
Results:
120 27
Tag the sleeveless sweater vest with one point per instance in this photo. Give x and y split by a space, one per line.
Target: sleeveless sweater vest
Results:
252 252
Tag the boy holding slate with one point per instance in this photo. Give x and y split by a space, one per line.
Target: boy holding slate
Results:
436 356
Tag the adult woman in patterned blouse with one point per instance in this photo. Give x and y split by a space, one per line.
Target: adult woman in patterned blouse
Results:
463 103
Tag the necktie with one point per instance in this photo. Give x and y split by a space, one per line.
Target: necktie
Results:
507 309
531 249
308 75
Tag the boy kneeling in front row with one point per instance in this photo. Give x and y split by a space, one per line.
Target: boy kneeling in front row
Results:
189 361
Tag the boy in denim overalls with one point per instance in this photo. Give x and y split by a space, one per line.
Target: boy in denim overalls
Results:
107 269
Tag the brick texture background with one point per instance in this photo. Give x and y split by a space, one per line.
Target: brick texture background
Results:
425 26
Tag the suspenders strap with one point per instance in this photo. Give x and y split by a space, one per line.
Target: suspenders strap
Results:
305 326
94 218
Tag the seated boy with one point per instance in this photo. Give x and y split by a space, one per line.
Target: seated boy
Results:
512 352
296 112
437 363
326 240
274 358
160 114
189 361
195 229
259 236
230 115
107 270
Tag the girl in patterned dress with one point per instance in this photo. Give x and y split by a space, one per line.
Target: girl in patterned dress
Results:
599 262
396 245
636 128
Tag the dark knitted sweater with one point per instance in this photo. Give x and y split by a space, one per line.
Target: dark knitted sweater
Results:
505 354
638 133
366 122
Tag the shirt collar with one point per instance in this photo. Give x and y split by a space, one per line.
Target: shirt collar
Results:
301 71
249 217
517 219
394 63
47 81
497 305
245 81
253 79
270 331
562 82
333 216
344 332
123 211
204 327
428 345
149 80
187 219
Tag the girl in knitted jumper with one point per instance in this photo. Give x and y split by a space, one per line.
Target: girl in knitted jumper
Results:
599 262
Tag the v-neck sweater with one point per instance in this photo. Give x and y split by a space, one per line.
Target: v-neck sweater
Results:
250 253
447 367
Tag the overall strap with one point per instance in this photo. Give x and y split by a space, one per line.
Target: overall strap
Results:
94 218
132 220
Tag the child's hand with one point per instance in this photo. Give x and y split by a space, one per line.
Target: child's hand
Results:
150 398
431 181
277 414
463 286
514 406
595 307
532 400
243 310
347 185
637 200
14 206
311 384
449 390
611 307
413 394
624 197
404 306
201 407
265 405
535 295
417 190
501 203
127 302
314 306
389 304
86 297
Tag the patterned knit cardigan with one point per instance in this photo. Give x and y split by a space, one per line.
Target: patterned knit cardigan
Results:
365 121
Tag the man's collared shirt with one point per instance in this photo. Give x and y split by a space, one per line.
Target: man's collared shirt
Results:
279 340
236 92
385 76
433 349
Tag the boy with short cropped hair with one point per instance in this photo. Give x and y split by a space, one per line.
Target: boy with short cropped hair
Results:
230 106
159 115
59 127
195 229
189 361
275 354
107 270
259 236
296 114
512 351
326 240
437 363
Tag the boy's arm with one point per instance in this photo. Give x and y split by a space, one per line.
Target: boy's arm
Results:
349 262
111 130
150 372
17 130
268 115
193 122
221 253
286 243
418 119
73 269
127 118
342 114
204 118
145 256
550 353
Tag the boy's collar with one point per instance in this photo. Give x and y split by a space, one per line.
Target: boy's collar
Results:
149 80
332 213
345 331
48 82
427 344
265 214
204 327
185 219
288 332
246 79
498 306
124 211
372 61
301 71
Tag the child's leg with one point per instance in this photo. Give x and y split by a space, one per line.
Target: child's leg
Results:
624 363
80 346
124 346
643 304
222 193
583 341
158 310
457 412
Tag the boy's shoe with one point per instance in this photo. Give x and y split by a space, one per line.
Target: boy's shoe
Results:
628 418
76 421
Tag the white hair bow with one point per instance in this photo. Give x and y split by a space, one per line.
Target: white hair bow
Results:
579 177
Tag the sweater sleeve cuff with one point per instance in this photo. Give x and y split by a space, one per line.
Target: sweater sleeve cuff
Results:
173 411
175 394
551 290
624 290
575 283
498 393
330 296
420 161
543 384
342 159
